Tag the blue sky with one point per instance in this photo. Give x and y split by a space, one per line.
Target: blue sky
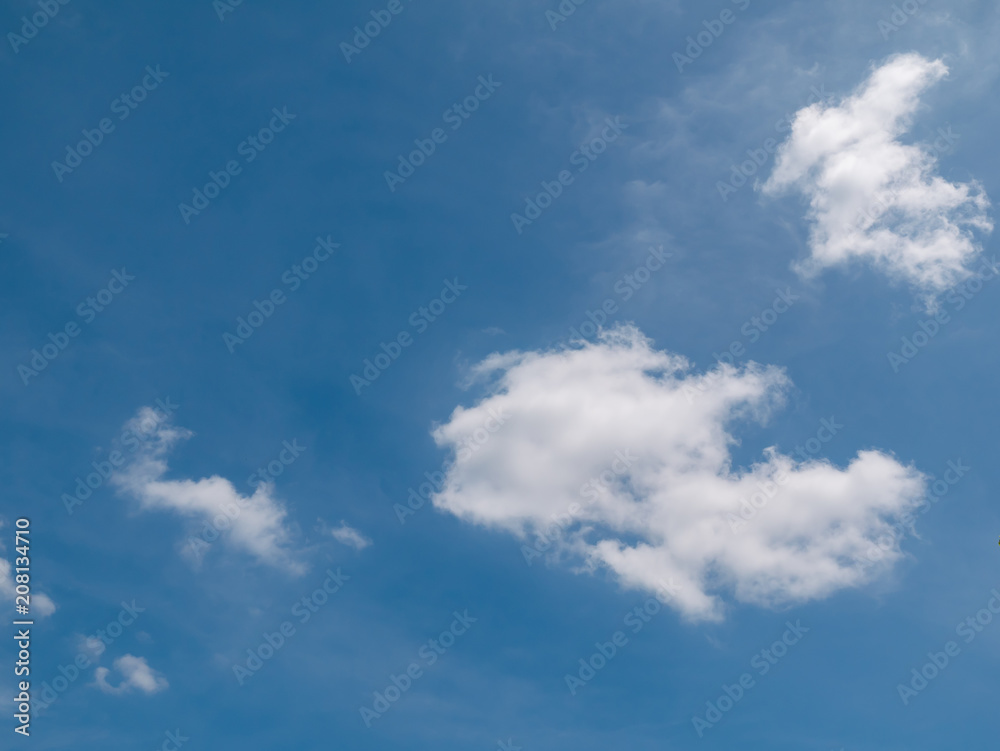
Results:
426 279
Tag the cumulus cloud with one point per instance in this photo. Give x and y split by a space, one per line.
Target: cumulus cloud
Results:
136 675
626 454
252 524
349 536
873 198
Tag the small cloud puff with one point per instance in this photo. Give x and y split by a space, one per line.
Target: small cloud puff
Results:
136 675
350 536
41 605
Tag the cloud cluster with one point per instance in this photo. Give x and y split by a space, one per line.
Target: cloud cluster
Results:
136 675
252 524
874 198
629 453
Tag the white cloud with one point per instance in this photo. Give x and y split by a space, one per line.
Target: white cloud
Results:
253 524
135 675
91 646
660 435
41 605
350 536
874 198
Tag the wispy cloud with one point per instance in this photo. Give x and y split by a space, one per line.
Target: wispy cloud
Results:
350 536
252 524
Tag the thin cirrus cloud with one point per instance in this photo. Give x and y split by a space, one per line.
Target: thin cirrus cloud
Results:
136 675
873 198
250 524
659 437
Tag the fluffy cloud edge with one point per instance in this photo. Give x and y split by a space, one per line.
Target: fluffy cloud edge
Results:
662 518
873 198
254 525
136 675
